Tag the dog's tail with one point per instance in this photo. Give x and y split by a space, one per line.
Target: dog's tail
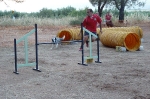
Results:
63 37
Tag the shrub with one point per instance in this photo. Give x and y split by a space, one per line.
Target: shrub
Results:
77 21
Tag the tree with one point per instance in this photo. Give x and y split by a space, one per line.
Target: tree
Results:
18 1
100 4
121 4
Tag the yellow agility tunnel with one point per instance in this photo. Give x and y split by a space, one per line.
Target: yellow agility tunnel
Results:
70 34
131 41
129 37
133 29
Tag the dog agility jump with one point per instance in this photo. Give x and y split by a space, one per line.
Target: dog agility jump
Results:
55 41
25 39
90 57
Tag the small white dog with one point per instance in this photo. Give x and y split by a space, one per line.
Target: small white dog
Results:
56 41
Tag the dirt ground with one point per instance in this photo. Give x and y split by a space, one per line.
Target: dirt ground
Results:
121 75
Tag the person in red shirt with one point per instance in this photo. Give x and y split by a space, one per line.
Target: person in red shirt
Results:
90 23
108 18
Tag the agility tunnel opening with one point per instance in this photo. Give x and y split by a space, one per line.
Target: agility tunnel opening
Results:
132 42
68 35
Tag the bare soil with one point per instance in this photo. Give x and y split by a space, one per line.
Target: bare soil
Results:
121 75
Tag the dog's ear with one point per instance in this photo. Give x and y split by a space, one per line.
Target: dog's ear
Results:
52 40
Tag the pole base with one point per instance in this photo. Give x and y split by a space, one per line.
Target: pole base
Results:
98 62
15 72
82 64
37 70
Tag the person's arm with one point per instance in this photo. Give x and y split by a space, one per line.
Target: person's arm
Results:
84 22
110 17
100 23
105 17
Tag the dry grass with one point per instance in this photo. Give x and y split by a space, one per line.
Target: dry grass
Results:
29 21
134 18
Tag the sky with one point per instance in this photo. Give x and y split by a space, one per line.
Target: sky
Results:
36 5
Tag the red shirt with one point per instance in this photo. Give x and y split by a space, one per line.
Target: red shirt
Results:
108 17
90 23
